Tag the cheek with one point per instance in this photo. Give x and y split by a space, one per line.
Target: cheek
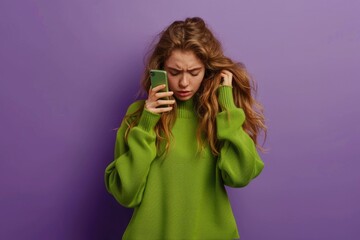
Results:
197 82
172 82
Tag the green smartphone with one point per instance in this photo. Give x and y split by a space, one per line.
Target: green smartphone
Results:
157 78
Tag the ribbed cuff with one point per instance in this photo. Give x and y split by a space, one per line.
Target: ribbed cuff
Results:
226 99
148 120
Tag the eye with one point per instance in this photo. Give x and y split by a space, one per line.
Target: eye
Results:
174 73
194 74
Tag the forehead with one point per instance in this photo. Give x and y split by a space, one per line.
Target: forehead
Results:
183 59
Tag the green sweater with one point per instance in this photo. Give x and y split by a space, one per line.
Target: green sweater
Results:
182 196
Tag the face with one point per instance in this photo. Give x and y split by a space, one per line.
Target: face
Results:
185 74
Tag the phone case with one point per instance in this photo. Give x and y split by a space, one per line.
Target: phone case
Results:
159 77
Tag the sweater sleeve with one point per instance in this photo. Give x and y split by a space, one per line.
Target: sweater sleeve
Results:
239 161
126 175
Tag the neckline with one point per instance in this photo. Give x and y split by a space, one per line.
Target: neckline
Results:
185 109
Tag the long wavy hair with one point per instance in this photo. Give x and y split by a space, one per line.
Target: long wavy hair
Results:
194 35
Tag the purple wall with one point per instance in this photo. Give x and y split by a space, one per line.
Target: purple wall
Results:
69 68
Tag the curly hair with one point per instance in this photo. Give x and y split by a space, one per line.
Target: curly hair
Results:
194 35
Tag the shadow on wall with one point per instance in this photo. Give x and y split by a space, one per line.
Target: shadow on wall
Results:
110 219
104 218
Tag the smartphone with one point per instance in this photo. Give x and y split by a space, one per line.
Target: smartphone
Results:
158 77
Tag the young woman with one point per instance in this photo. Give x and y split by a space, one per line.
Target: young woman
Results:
175 151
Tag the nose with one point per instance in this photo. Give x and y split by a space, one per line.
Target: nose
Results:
184 81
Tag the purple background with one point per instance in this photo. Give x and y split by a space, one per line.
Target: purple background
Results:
69 69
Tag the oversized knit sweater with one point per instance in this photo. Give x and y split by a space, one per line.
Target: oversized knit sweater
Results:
181 195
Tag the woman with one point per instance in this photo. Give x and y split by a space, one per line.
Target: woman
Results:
175 151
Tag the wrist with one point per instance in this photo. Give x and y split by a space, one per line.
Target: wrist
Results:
225 97
148 120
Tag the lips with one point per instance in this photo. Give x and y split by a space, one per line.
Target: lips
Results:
183 93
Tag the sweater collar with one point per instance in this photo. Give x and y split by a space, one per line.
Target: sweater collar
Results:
185 109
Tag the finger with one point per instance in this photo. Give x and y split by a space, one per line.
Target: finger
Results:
149 105
151 94
162 110
227 72
163 94
159 87
151 90
157 103
224 75
227 77
165 102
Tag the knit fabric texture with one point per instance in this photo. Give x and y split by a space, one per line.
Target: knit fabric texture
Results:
181 195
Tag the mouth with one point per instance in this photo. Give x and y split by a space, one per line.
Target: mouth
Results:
183 93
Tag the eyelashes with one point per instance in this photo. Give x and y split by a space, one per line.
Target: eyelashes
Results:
174 73
194 74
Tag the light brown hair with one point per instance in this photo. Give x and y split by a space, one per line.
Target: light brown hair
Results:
194 35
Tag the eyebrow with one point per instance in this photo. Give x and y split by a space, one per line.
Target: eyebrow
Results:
189 70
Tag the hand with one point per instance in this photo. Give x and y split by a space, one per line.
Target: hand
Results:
227 77
153 102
